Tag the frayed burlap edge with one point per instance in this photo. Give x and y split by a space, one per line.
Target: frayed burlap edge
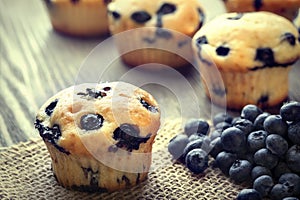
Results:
26 174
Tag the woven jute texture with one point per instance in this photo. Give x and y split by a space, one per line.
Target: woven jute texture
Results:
25 173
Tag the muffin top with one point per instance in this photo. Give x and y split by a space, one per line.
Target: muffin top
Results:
179 15
258 5
100 118
247 41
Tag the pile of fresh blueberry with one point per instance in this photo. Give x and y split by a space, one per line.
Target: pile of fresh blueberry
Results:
256 148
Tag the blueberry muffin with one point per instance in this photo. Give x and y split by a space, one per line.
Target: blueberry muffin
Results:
84 18
286 8
160 30
99 136
246 58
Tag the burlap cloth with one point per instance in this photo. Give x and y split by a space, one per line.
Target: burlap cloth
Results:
26 174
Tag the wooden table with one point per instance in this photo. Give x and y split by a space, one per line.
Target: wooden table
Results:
36 62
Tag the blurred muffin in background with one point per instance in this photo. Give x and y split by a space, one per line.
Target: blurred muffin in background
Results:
286 8
84 18
245 58
159 31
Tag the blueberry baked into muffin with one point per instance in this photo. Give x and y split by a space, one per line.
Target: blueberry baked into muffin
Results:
99 136
253 53
286 8
160 30
84 18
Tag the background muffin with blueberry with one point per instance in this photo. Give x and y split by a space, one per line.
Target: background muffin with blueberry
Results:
155 31
287 8
252 54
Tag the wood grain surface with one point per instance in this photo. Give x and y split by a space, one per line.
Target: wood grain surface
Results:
36 62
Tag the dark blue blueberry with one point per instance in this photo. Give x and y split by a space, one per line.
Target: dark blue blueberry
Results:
257 4
177 145
233 140
292 181
275 124
240 171
222 51
235 119
91 176
222 126
277 144
201 40
281 168
166 8
248 194
290 111
263 185
163 33
293 158
140 17
47 133
294 132
219 90
246 156
259 121
128 136
92 93
256 140
106 89
148 106
115 15
215 134
279 191
91 122
250 112
50 108
263 101
224 161
195 136
50 134
266 56
196 161
258 171
222 117
290 38
216 147
245 125
196 126
266 158
196 144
